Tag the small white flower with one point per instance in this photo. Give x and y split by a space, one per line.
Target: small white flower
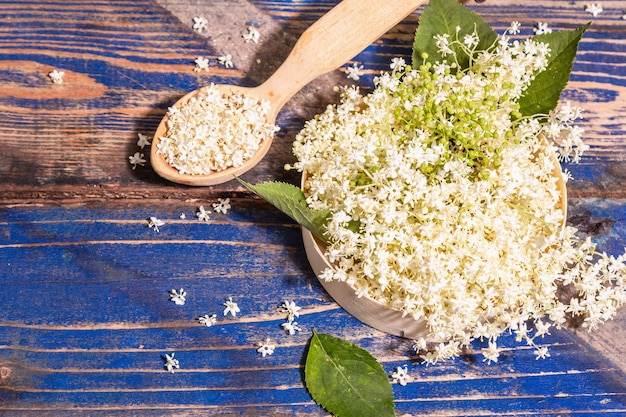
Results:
253 35
56 76
154 223
222 206
514 28
203 215
401 376
354 72
542 353
199 23
226 60
171 363
492 353
397 64
291 327
202 63
207 320
137 159
594 9
266 347
541 28
182 216
291 309
231 307
143 140
178 297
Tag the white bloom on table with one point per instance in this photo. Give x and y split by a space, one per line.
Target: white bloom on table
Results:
541 28
253 35
154 223
202 63
137 159
594 9
266 347
178 297
354 72
292 310
56 76
182 216
143 141
171 363
199 23
207 320
492 353
203 215
401 376
226 60
222 205
231 307
291 327
542 353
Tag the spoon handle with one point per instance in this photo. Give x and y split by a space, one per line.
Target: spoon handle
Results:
333 40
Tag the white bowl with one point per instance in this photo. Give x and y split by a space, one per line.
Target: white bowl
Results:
372 312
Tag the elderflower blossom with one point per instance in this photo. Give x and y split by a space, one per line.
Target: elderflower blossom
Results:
207 320
594 9
266 347
213 132
137 159
178 297
56 76
401 376
291 309
171 363
456 201
222 205
231 307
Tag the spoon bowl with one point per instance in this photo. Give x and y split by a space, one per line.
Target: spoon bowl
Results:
330 42
165 170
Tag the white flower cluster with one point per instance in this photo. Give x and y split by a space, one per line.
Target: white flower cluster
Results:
446 206
213 132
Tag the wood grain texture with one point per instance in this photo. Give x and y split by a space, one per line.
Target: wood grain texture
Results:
84 313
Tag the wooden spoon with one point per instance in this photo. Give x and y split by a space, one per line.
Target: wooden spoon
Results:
333 40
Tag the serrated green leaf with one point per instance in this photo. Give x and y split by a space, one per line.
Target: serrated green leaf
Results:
543 94
347 380
291 200
443 17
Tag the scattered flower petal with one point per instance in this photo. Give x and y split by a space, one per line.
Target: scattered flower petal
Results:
401 376
171 363
56 76
200 23
154 223
207 320
203 215
266 347
291 327
231 307
253 35
202 63
143 141
226 60
178 297
222 206
137 159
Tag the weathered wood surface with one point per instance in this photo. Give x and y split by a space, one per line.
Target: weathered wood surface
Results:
84 310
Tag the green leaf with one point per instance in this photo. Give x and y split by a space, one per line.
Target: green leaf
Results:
543 94
347 380
291 200
443 17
